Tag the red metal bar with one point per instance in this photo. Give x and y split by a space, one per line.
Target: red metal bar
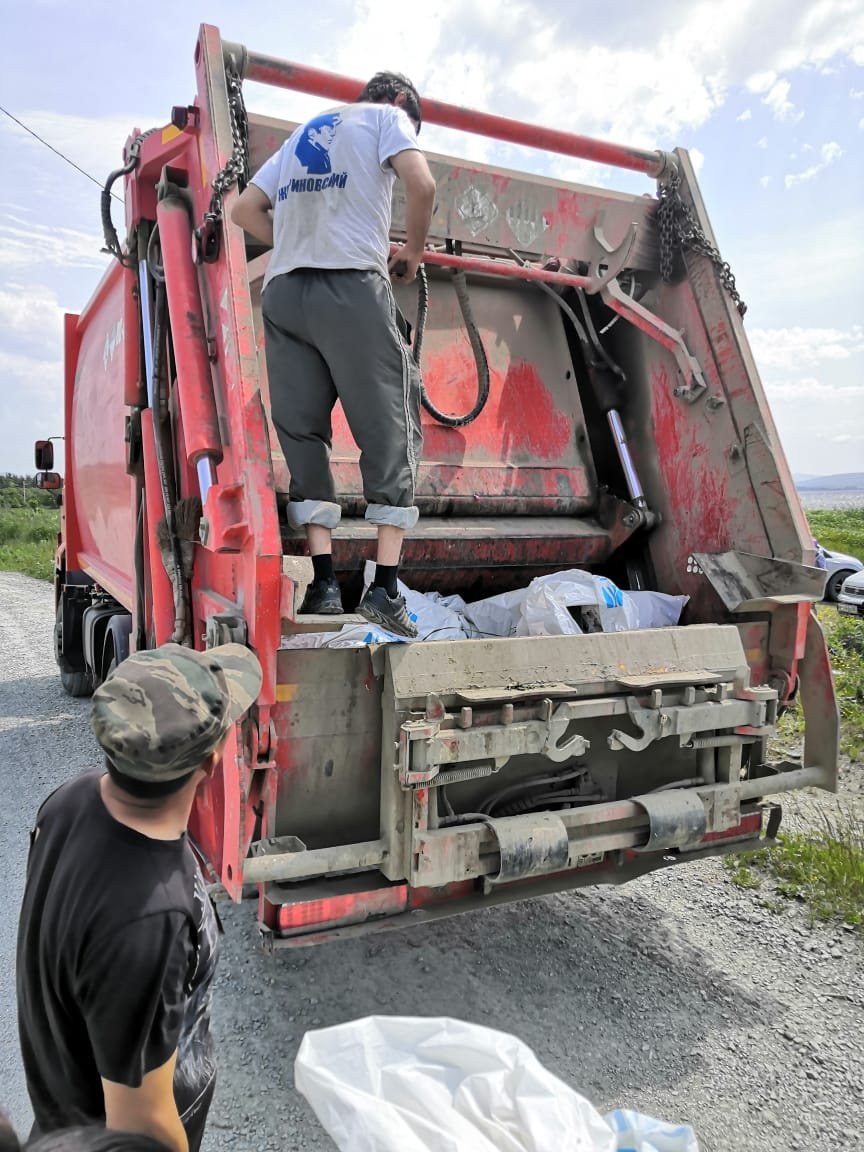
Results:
501 268
197 403
283 74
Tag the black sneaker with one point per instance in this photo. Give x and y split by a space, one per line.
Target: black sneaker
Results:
322 599
378 607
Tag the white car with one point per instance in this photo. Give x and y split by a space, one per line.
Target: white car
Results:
851 599
839 567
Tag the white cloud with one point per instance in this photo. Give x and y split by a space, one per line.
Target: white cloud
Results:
745 115
93 143
828 152
31 314
777 100
761 82
806 147
791 348
24 243
861 125
809 388
698 159
858 54
764 181
762 142
856 93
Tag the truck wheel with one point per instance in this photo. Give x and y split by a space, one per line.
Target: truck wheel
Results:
74 683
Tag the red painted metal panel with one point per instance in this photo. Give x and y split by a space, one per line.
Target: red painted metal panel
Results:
97 482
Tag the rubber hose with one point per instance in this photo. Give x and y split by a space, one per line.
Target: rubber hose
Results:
460 285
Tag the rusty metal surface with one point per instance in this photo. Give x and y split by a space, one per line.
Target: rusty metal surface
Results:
747 583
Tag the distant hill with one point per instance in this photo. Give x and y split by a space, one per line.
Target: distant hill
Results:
841 482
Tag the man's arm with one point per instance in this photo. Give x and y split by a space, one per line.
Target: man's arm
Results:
252 212
149 1109
413 170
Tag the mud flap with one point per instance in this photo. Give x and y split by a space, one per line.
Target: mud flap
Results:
529 845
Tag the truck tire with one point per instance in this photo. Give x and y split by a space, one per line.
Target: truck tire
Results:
76 683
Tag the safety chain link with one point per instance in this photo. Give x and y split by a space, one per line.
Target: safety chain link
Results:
679 230
236 171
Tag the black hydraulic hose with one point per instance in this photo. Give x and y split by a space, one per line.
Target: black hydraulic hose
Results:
460 285
109 232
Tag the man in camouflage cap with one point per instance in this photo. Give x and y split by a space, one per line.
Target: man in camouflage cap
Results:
118 939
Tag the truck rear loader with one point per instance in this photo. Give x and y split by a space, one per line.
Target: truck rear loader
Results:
591 402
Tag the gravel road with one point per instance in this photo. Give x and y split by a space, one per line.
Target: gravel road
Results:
678 995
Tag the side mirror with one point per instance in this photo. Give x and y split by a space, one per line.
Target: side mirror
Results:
50 481
44 455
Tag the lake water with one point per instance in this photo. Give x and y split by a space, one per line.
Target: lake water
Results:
818 499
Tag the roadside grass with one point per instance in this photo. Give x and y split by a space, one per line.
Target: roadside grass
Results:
28 538
823 868
839 529
845 636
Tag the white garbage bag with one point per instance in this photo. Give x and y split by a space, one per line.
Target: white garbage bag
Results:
637 1133
435 619
544 611
496 615
415 1084
656 609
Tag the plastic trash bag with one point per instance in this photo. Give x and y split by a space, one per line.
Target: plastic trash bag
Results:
434 618
348 636
545 609
496 615
415 1084
656 609
637 1133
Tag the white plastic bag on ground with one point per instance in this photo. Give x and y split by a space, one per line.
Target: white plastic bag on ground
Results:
414 1084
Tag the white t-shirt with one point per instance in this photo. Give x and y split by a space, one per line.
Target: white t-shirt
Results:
331 185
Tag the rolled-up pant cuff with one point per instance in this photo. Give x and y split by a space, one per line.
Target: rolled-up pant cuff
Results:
388 514
303 512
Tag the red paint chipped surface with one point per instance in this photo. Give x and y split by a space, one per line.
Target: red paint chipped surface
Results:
691 480
520 424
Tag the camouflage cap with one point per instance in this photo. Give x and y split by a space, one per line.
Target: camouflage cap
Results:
161 712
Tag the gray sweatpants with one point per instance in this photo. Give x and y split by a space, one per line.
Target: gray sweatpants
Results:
332 334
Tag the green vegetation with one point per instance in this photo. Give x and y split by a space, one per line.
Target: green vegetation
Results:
28 538
824 868
845 636
839 530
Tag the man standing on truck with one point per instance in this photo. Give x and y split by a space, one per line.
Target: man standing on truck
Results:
118 939
330 322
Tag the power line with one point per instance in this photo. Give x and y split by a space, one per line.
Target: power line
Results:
56 151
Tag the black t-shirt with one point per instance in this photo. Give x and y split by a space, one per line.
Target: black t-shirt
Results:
117 946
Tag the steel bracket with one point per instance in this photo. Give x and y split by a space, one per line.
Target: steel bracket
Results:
749 712
426 745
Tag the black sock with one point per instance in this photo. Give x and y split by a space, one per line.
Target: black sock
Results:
322 567
385 577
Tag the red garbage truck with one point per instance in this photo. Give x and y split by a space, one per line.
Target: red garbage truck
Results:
591 405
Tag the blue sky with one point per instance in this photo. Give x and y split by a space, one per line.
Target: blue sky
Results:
767 94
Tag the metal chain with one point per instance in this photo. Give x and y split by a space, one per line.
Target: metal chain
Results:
679 230
236 171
